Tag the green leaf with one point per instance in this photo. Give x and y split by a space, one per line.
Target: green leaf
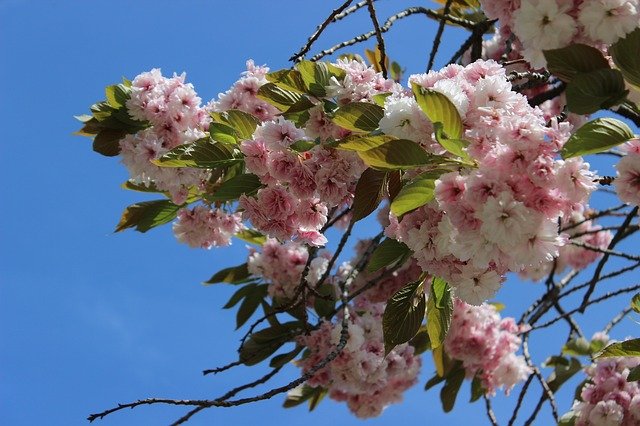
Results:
398 154
626 348
251 236
249 306
635 303
299 108
443 363
555 360
361 143
595 136
454 146
403 315
634 374
140 187
414 194
117 95
233 188
262 344
107 142
224 133
304 393
420 341
567 419
232 275
439 109
242 123
434 381
626 55
288 79
203 153
359 116
477 390
596 346
278 96
449 391
595 90
325 304
387 253
380 98
247 290
302 145
147 214
370 190
562 373
316 76
565 63
577 347
282 359
439 311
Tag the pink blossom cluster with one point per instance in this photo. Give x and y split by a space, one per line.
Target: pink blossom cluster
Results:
579 229
501 216
202 227
360 84
243 94
281 265
362 376
627 182
551 24
608 399
486 345
301 187
173 109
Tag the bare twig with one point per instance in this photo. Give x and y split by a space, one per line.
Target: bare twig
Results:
592 302
376 27
615 320
436 41
389 23
616 238
521 396
490 414
304 49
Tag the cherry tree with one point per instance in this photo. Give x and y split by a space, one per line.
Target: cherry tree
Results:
473 173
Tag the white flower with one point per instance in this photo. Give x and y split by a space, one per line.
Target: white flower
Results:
404 119
452 90
606 413
506 222
608 20
474 288
542 24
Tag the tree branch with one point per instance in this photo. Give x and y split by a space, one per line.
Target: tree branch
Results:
307 46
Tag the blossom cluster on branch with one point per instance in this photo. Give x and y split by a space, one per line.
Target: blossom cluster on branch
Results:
475 172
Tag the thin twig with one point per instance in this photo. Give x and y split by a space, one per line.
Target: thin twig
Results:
549 94
605 251
376 27
616 238
490 414
615 320
350 10
548 393
592 302
523 392
304 49
389 23
436 41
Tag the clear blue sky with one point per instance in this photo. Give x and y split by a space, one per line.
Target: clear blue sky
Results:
89 318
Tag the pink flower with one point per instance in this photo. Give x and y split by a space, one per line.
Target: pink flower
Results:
276 203
627 182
